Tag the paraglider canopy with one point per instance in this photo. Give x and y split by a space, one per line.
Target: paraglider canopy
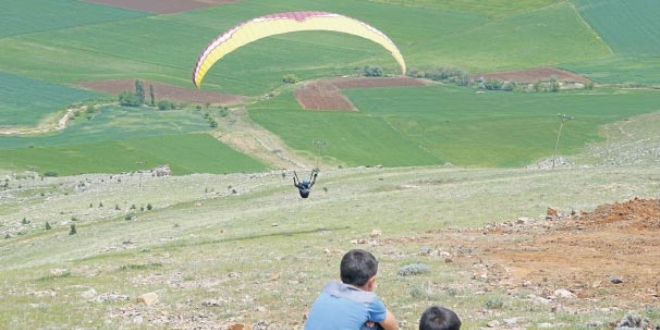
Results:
281 23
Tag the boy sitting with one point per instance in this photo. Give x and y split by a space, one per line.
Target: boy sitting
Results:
351 304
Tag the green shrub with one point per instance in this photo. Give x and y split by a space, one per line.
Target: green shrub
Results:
165 105
290 79
372 71
129 99
494 303
414 269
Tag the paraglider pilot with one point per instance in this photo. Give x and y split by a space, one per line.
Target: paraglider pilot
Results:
304 186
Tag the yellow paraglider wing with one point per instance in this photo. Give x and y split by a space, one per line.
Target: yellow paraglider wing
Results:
269 25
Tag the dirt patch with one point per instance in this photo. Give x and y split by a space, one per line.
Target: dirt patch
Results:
613 252
326 94
162 6
164 92
322 95
530 76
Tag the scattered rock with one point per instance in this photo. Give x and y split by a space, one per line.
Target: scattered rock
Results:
239 326
148 298
105 297
616 280
211 303
563 293
59 271
632 321
89 294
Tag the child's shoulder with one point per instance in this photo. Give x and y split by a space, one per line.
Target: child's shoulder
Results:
342 290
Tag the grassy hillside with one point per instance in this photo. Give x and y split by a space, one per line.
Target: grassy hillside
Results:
204 249
223 240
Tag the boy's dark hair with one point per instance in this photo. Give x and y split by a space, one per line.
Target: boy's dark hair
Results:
357 267
439 318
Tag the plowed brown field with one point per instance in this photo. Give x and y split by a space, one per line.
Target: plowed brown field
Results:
326 94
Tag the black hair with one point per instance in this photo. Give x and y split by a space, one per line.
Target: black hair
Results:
357 267
439 318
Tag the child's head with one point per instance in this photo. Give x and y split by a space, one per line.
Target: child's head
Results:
439 318
358 267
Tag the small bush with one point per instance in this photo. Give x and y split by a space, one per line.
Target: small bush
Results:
494 303
415 73
48 227
372 71
166 105
414 269
73 230
129 99
491 85
289 79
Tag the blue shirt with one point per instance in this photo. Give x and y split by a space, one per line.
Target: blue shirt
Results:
344 307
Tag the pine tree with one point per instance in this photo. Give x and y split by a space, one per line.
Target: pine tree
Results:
139 91
151 94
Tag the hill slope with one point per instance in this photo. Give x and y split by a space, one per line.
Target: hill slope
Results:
215 248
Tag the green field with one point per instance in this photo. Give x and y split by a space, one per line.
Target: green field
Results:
492 9
112 123
31 16
632 30
409 126
437 124
551 35
633 70
185 154
628 27
19 107
114 139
